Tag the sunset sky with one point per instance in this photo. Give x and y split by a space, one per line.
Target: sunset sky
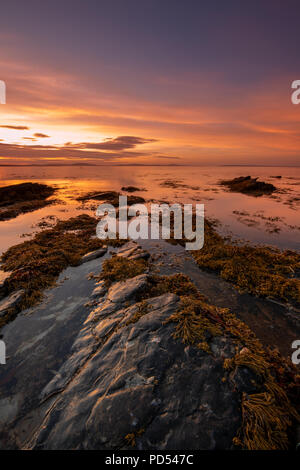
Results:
150 82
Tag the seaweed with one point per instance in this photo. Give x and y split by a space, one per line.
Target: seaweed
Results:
259 270
179 284
131 189
24 192
248 185
112 197
194 324
131 437
142 309
21 198
118 268
37 263
269 414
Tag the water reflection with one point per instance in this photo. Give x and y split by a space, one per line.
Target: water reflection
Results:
269 219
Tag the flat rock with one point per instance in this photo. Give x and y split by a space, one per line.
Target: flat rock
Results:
132 251
124 290
10 302
93 255
141 380
99 290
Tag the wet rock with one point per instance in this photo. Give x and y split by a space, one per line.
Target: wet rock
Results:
248 185
246 380
99 290
124 290
112 197
102 196
10 302
132 251
93 255
136 378
24 192
21 198
131 189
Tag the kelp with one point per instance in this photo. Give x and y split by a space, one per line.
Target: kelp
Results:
24 197
118 268
269 414
262 271
248 185
259 270
112 197
179 284
142 309
24 192
130 438
37 263
194 322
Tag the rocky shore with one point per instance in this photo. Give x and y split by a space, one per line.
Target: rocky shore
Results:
24 197
109 349
151 365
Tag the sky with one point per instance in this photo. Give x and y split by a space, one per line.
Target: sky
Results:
165 82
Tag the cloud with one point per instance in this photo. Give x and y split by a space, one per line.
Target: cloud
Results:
115 144
41 135
17 128
113 149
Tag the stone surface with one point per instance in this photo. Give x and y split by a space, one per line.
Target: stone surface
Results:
80 379
99 290
93 255
125 376
132 251
10 302
124 290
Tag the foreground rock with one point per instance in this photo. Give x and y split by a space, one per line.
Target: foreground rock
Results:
131 189
122 291
132 251
111 197
25 197
10 302
129 382
93 255
248 185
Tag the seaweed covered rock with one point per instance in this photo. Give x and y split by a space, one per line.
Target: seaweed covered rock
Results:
141 386
260 270
24 192
93 255
10 302
248 185
24 197
164 372
35 264
111 197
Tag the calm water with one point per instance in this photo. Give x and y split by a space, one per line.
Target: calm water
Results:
273 220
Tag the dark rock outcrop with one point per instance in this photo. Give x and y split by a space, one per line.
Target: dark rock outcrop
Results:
25 197
10 302
128 378
248 185
111 197
93 255
131 189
